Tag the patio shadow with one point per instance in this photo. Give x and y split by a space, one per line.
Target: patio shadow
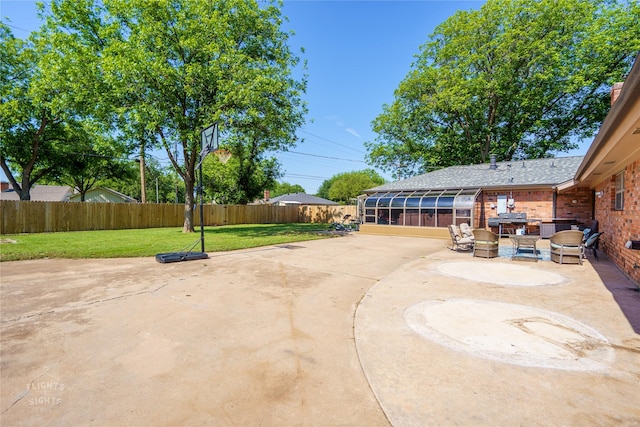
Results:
623 290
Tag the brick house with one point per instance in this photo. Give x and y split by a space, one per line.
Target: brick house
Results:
553 194
426 204
611 170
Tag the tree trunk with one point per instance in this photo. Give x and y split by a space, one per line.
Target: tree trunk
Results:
25 190
189 202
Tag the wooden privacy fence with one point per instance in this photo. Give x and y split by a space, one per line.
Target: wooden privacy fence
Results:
45 217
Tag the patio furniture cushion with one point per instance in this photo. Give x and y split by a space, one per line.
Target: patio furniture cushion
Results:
486 242
591 241
566 247
457 240
465 230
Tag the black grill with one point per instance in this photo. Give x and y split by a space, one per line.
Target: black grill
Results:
508 218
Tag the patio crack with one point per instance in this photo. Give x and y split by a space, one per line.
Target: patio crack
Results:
32 384
83 304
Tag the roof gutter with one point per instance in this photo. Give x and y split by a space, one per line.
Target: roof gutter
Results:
566 185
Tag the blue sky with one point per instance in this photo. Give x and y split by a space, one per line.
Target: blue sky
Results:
357 53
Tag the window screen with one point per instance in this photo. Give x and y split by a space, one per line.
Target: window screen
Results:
619 192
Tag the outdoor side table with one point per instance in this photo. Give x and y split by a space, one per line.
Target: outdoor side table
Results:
524 247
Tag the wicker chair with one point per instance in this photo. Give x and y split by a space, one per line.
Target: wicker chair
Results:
486 243
567 247
457 241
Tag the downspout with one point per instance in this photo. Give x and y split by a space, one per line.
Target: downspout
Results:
482 223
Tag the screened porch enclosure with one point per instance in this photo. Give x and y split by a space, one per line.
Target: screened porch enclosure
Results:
431 208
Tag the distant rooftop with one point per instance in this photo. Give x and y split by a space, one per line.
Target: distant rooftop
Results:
41 193
300 198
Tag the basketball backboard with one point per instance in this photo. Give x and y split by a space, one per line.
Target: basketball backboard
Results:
209 141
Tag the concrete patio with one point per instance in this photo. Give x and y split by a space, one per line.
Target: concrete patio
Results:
358 330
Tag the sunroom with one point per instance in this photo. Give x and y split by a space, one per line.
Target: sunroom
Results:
425 208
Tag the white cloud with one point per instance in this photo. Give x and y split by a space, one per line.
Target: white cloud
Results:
353 132
340 123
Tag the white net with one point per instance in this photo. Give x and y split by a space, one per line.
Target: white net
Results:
223 155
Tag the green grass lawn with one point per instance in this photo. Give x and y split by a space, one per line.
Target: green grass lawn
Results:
151 241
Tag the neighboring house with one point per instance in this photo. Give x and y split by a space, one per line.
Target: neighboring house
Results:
39 193
61 193
477 194
103 195
611 170
299 199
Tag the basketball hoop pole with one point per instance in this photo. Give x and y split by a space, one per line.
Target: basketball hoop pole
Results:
208 144
201 204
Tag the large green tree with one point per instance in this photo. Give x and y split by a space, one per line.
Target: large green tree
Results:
516 78
346 186
161 71
160 182
239 179
34 138
96 159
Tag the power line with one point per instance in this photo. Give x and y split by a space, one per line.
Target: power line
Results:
295 175
333 142
14 27
326 157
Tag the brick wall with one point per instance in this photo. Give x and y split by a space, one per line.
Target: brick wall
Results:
576 205
620 226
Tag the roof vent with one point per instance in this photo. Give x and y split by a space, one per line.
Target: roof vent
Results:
492 164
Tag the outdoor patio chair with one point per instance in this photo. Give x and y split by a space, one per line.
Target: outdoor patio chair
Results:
486 243
466 231
591 242
457 241
567 247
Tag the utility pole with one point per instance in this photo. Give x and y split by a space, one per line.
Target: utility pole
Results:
143 180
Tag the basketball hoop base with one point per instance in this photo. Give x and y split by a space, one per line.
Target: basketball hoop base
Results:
180 256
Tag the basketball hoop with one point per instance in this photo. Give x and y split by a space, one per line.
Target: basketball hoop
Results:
209 140
222 155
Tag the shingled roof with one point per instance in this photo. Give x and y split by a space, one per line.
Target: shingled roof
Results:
516 173
300 198
42 193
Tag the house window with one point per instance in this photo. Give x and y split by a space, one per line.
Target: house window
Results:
619 191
